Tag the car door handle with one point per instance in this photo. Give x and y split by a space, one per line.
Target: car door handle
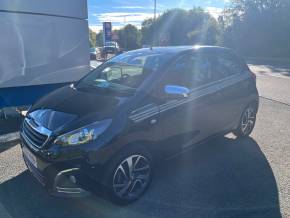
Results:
153 121
218 94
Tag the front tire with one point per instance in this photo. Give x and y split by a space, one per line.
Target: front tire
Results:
128 176
247 122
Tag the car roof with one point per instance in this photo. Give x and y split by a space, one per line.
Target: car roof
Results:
181 49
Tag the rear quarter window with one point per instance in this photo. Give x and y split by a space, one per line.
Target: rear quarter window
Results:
226 65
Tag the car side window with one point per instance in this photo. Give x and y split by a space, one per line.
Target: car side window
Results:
190 71
225 66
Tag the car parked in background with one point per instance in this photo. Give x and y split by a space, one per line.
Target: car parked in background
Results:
107 129
111 48
93 53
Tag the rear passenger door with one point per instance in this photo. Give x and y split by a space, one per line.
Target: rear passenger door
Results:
229 90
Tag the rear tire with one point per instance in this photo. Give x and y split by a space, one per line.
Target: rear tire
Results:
128 176
247 122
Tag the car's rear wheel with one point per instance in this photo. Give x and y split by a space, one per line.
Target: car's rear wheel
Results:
128 176
247 122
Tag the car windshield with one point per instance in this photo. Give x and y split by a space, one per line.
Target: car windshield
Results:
125 72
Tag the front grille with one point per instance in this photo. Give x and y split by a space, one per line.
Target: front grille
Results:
32 136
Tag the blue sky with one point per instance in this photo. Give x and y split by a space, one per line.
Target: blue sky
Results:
122 12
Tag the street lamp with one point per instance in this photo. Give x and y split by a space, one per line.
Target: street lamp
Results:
154 10
154 23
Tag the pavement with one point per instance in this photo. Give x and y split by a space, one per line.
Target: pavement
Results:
273 81
224 177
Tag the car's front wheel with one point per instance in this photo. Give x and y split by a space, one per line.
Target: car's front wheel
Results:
128 176
247 122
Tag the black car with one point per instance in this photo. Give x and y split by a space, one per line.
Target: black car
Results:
103 132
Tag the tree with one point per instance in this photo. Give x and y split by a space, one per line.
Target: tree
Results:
257 27
99 39
92 38
147 31
181 27
129 37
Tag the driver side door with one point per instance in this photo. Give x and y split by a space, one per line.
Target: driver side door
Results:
182 121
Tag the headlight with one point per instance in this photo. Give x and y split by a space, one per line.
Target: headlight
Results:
83 135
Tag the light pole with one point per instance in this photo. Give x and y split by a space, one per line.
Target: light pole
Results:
154 10
154 23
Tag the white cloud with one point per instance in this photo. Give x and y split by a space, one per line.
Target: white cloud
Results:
95 28
123 17
98 28
214 11
119 19
130 7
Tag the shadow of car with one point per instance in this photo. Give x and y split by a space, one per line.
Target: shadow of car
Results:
223 177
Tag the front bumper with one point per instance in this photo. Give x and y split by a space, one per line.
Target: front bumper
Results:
65 184
59 180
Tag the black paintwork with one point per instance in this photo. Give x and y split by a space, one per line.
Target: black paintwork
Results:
70 108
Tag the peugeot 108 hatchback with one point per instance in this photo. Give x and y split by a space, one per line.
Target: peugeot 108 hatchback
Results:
106 129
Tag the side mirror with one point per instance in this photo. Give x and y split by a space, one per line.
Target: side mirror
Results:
178 91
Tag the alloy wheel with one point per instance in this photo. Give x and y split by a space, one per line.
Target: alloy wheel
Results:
132 177
248 121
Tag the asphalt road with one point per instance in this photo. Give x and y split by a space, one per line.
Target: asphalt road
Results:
224 177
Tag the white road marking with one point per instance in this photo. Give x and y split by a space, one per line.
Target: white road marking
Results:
263 70
272 75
